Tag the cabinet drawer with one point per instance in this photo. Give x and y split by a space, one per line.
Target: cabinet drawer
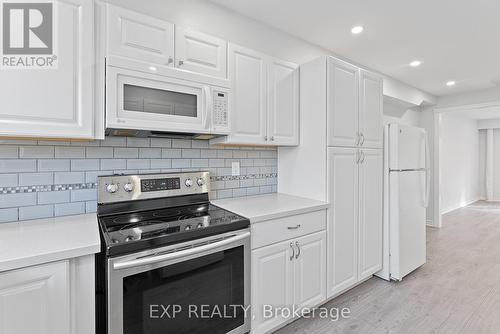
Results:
272 231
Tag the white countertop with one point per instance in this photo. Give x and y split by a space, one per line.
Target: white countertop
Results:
33 242
270 206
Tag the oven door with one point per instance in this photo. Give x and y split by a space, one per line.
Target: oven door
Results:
201 286
144 101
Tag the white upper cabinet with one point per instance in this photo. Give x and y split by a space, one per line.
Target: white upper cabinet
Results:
247 72
370 212
370 109
265 101
134 35
342 103
354 106
283 102
198 52
55 102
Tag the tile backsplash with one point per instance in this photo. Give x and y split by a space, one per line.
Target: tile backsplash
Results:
40 179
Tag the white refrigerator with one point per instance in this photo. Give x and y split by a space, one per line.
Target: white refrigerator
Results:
406 195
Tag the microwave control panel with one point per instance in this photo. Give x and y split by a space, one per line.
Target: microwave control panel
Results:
220 108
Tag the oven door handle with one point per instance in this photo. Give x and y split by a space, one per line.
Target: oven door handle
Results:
175 255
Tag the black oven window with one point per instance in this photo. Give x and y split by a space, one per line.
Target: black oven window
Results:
159 101
203 295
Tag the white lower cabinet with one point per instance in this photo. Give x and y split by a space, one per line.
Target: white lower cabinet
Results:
288 274
355 220
52 298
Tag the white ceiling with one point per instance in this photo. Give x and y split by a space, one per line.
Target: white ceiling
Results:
455 39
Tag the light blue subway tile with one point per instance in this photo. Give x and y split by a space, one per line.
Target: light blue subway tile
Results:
91 177
190 153
17 142
9 215
274 188
137 142
84 164
138 164
54 142
9 152
114 141
181 163
246 163
36 152
90 206
99 152
69 177
232 184
68 209
239 192
83 195
53 165
253 191
271 180
225 154
216 163
17 166
199 163
36 212
245 183
216 185
161 163
253 170
150 153
212 195
208 154
267 154
265 189
51 197
267 170
259 182
126 152
112 164
171 153
9 180
229 162
226 193
259 162
271 162
149 171
125 171
239 154
161 142
181 143
253 154
199 143
36 179
85 143
68 152
224 171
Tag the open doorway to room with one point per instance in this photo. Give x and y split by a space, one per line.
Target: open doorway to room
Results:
468 145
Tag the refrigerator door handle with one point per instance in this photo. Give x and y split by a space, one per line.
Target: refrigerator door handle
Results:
427 171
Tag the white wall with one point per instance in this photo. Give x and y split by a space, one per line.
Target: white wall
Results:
409 117
482 164
459 161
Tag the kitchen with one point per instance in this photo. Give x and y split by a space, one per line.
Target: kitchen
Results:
211 166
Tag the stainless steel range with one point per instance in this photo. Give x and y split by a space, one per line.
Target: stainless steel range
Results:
171 262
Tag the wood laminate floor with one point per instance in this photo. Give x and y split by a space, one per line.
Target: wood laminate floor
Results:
456 291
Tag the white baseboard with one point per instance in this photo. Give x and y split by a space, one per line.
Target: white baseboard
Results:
458 206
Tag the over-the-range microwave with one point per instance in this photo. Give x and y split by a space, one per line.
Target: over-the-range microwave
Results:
157 101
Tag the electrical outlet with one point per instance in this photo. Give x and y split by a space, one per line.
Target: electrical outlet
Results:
235 168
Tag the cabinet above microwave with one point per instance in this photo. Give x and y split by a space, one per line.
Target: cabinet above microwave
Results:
142 99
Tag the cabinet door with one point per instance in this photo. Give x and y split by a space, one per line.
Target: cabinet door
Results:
35 300
198 52
342 254
138 36
342 103
310 270
283 103
272 283
55 102
247 71
370 212
370 109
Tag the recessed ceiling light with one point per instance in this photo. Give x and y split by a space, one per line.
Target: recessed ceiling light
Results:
415 63
450 83
152 68
357 30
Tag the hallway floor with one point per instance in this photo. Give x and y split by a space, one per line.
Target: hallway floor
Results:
456 291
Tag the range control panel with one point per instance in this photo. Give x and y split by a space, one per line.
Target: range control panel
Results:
220 108
120 188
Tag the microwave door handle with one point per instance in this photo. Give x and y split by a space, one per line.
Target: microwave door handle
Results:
207 110
175 255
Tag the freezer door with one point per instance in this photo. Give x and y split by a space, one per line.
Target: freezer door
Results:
407 147
406 222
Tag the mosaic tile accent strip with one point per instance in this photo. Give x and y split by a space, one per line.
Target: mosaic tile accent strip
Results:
40 179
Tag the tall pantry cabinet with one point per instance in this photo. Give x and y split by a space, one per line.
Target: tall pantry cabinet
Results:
341 151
